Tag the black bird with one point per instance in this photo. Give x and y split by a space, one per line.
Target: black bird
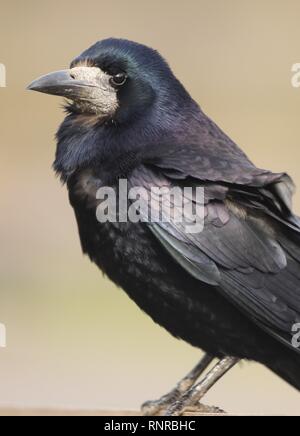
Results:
232 289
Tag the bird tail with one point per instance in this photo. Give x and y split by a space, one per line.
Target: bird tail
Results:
288 369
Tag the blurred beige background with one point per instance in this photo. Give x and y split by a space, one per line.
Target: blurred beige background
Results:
73 339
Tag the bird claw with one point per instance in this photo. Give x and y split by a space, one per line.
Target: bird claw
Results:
177 409
157 407
152 408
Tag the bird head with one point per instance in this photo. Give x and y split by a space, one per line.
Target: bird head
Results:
115 79
124 103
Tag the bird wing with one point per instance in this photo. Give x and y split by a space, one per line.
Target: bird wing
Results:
249 245
216 158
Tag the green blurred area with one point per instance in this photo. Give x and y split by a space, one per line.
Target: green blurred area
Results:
73 338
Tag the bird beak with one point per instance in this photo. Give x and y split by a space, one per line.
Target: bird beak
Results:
88 87
62 83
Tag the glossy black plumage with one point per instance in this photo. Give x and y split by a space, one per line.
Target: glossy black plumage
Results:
232 289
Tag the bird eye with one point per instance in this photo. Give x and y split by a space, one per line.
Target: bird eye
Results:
118 79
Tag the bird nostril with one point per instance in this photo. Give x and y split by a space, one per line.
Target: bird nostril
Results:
72 75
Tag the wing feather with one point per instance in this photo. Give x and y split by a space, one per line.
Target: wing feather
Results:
248 254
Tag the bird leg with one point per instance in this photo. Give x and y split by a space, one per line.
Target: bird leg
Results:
152 408
191 398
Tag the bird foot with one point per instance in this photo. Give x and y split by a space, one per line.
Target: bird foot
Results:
173 407
186 397
157 407
176 409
